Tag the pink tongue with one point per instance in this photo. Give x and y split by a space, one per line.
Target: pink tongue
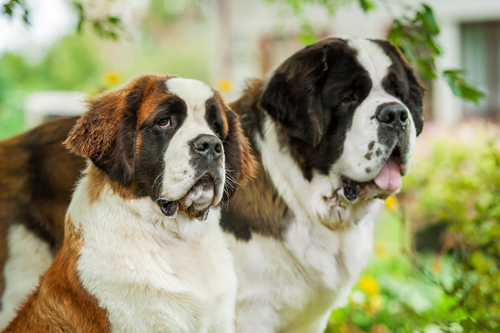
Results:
389 177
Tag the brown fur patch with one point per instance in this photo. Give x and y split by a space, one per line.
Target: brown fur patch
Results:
240 164
95 132
106 132
256 207
99 181
220 101
37 175
60 303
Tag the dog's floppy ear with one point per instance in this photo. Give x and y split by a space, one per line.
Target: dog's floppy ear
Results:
293 95
240 164
106 132
417 90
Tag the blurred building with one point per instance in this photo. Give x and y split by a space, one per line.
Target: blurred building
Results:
43 105
253 37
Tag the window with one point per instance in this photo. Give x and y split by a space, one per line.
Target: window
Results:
481 59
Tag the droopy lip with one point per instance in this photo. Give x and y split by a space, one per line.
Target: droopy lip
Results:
354 190
172 208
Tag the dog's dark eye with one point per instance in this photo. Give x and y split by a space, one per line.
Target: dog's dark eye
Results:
164 123
349 98
215 128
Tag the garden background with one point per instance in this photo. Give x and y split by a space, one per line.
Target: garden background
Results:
436 262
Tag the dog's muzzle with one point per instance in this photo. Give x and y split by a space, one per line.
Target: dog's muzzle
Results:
207 147
392 116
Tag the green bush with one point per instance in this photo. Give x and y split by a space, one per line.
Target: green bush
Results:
455 180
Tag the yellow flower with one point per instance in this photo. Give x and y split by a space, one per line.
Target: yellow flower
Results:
374 305
369 285
436 266
380 250
224 85
391 203
111 78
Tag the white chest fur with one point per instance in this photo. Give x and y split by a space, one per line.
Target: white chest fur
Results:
292 285
148 272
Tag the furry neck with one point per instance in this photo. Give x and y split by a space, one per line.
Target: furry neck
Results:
102 205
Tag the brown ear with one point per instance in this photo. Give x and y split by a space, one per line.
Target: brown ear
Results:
293 95
106 132
240 164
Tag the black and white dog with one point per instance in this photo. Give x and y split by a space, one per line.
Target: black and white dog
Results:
334 130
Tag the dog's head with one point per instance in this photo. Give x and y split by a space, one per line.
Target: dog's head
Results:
351 109
168 138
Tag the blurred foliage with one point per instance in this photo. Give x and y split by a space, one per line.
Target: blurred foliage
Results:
108 27
171 11
9 8
86 62
460 87
415 35
458 183
414 32
69 65
455 179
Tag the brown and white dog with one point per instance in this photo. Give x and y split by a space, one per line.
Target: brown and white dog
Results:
334 129
143 250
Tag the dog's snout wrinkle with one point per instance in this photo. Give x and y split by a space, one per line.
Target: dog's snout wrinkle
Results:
208 146
392 115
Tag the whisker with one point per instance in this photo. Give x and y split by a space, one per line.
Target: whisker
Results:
161 174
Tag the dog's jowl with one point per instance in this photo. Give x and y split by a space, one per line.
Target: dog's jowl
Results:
143 251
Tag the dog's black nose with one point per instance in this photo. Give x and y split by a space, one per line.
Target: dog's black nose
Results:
208 146
393 115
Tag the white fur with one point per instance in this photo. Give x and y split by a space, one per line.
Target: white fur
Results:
179 175
152 273
29 257
353 163
292 285
193 92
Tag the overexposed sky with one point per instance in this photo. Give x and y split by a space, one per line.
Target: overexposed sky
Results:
50 20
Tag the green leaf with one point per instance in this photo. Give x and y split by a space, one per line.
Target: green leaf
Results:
426 67
307 35
431 43
460 87
114 20
366 5
429 21
468 325
396 32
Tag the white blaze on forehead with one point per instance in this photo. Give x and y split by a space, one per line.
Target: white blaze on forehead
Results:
372 58
358 162
194 93
180 175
